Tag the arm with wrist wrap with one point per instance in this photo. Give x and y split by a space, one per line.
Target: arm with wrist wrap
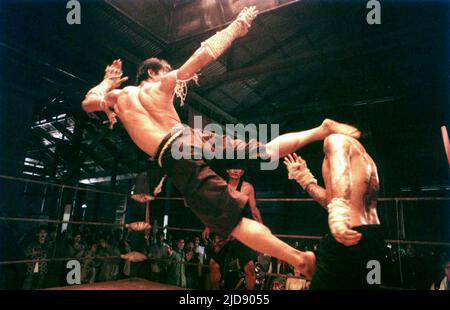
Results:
298 170
222 40
339 218
300 173
338 153
98 98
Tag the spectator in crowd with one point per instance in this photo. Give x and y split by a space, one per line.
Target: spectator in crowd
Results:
75 248
158 252
124 248
177 271
88 265
445 282
200 252
191 270
37 270
109 268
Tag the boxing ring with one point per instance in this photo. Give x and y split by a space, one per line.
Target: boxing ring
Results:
135 283
122 285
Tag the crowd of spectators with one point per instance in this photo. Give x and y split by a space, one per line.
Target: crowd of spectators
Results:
179 260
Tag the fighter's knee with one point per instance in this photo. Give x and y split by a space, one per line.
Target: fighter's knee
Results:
265 229
257 227
247 227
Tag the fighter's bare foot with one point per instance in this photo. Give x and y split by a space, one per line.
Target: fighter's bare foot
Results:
334 127
307 265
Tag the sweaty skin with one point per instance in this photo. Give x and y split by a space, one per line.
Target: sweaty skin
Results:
247 189
148 115
249 269
147 110
351 179
349 171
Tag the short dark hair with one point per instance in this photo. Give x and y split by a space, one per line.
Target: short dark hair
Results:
41 228
154 64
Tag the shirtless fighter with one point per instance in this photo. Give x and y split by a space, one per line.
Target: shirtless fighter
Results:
148 115
233 249
350 196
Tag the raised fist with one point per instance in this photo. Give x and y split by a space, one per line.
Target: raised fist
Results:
247 15
113 74
245 18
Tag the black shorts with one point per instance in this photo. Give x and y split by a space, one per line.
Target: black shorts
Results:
342 267
242 253
234 249
205 192
233 255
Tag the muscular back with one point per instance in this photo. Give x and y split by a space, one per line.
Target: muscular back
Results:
147 111
147 114
349 171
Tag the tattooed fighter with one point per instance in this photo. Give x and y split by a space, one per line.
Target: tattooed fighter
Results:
350 196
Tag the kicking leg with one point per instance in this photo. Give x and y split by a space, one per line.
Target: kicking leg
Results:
258 237
214 275
291 142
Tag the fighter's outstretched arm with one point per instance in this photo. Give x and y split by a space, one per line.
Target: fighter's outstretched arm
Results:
99 98
298 170
212 48
103 97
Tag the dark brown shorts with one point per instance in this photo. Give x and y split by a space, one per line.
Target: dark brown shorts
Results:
205 192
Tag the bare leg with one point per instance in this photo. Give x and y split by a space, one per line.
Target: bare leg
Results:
214 275
250 275
291 142
258 237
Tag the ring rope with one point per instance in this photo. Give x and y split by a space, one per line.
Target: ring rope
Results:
27 219
33 261
432 243
181 199
58 259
